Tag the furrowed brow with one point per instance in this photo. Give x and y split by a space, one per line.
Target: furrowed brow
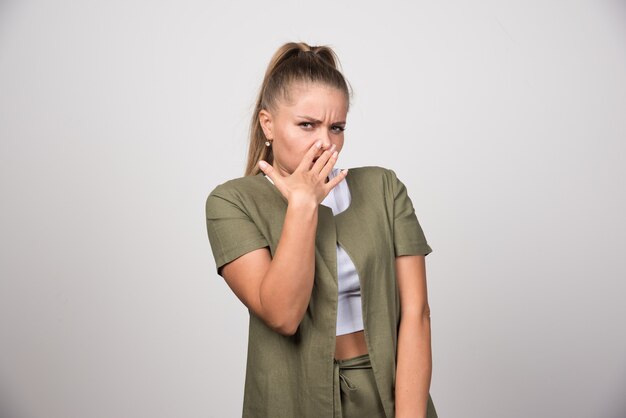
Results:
311 119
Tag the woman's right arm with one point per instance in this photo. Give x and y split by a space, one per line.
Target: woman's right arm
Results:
278 289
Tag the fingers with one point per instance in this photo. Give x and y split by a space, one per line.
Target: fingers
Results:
308 157
337 179
320 168
326 162
267 169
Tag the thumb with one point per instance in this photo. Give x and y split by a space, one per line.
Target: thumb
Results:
266 169
274 177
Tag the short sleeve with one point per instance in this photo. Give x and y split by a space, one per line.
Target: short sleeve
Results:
231 231
408 236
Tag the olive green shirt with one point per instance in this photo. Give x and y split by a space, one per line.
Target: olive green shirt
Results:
292 376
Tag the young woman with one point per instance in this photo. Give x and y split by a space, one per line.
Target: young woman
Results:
330 264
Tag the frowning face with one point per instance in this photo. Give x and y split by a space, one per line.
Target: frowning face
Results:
317 112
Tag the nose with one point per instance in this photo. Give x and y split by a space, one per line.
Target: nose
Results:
326 142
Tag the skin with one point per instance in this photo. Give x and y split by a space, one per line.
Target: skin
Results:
278 289
318 113
292 136
414 355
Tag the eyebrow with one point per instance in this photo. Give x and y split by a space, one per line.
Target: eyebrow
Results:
319 121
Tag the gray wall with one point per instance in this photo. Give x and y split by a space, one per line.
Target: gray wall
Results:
504 118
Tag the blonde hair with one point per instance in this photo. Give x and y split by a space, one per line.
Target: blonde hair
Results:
292 62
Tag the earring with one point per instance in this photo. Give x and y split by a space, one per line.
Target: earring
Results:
267 143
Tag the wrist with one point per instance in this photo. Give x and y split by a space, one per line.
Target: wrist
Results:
303 202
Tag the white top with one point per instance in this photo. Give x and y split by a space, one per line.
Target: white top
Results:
349 310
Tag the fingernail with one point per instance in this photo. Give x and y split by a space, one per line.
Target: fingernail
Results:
318 144
262 164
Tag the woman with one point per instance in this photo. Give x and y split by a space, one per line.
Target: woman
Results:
325 261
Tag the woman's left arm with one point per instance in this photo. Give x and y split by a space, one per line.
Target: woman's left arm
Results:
414 362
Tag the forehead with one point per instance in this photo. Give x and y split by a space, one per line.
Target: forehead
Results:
315 99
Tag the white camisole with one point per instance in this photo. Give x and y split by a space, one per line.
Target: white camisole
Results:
349 312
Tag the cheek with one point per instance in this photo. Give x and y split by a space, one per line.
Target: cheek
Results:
294 145
297 140
339 145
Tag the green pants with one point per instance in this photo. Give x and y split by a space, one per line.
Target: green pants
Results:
355 390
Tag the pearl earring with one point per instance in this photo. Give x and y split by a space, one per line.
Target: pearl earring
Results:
267 143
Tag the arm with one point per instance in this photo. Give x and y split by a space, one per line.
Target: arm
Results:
278 290
414 363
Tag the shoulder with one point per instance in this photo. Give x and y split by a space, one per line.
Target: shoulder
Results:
235 190
237 186
374 176
369 172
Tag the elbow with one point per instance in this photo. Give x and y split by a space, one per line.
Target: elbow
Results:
426 312
413 315
291 326
284 326
287 328
287 331
282 322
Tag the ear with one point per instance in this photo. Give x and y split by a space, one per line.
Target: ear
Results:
265 120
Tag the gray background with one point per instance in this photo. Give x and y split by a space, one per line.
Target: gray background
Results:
504 118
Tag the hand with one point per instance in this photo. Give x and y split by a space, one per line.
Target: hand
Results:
308 181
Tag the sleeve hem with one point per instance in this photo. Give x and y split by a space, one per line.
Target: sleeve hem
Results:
241 249
417 249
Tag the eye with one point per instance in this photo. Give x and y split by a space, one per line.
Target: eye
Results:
339 129
305 123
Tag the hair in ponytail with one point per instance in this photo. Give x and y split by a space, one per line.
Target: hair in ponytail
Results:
293 62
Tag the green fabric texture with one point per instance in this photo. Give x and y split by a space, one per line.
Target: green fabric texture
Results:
356 395
292 376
